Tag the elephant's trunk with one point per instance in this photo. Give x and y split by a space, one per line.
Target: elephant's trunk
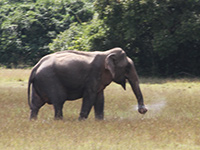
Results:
134 82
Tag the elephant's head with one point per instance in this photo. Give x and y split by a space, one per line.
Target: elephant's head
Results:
121 68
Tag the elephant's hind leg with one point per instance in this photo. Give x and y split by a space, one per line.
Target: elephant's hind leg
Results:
36 104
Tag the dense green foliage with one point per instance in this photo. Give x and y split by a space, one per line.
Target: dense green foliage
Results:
161 36
27 28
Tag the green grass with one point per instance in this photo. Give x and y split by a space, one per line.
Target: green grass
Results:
172 122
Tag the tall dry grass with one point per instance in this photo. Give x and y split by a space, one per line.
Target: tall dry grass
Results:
172 122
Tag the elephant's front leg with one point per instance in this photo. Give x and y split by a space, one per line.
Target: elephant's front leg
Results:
99 106
88 101
58 111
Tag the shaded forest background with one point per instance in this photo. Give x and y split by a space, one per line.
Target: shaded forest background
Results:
161 36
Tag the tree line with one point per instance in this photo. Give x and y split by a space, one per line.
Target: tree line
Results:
161 36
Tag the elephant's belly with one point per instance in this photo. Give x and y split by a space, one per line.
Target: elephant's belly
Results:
74 95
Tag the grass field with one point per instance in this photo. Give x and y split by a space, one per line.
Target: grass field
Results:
172 122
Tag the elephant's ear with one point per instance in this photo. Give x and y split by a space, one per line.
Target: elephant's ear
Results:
110 65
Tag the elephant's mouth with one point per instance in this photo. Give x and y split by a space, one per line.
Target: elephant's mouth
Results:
122 82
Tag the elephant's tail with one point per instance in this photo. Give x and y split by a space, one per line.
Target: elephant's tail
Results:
32 76
30 81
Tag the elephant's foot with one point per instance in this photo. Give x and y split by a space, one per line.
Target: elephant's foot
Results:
33 115
58 118
82 118
99 117
142 109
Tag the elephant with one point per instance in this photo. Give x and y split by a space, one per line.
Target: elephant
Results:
70 75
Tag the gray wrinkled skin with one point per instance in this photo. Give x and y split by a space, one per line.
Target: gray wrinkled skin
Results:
70 75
